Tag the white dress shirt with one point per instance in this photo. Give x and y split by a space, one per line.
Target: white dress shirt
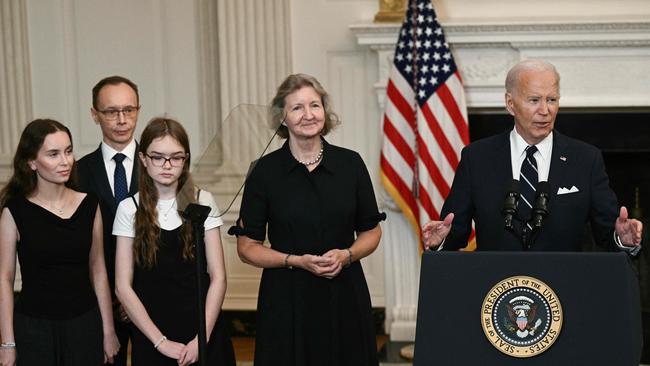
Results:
109 164
543 155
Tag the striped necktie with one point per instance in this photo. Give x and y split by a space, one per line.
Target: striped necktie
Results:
528 179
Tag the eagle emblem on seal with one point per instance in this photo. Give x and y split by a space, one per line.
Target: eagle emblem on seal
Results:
521 311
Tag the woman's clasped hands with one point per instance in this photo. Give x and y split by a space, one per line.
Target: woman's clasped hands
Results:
328 265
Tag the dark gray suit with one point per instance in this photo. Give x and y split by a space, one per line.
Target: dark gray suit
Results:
483 177
92 177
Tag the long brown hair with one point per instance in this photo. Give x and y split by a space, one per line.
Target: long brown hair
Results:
23 181
147 229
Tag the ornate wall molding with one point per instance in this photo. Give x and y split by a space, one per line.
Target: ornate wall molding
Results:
484 53
628 33
604 27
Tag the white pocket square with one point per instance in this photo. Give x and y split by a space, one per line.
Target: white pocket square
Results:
563 190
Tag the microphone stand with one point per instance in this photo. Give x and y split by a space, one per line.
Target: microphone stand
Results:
196 215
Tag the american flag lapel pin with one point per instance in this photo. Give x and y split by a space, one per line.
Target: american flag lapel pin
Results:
563 158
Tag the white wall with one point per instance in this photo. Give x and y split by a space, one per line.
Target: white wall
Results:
75 43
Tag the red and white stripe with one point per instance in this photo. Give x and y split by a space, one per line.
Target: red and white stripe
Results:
430 137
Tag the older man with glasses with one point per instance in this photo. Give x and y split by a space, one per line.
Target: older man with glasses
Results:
108 171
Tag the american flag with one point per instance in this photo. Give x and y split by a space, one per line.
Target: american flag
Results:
425 122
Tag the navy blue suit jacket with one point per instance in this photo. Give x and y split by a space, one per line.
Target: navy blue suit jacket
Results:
92 177
483 178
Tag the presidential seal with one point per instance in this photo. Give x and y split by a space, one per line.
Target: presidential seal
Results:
521 316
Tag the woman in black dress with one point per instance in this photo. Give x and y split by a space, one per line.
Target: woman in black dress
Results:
155 271
63 315
317 202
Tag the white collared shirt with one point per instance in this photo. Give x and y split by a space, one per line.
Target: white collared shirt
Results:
543 155
109 164
168 215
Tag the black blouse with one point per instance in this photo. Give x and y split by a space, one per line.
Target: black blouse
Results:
308 212
54 259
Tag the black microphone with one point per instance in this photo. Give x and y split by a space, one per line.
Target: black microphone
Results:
540 206
509 209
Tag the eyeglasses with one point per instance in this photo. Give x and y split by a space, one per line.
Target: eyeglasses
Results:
112 113
175 161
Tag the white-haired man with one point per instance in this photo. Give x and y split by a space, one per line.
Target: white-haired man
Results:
531 153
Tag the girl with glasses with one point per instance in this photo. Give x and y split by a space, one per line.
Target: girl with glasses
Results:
155 276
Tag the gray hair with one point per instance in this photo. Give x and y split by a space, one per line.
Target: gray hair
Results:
528 65
290 85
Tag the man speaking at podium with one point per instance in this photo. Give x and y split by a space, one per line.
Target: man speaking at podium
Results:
532 188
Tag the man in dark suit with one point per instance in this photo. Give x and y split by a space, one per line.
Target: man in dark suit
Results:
578 186
111 172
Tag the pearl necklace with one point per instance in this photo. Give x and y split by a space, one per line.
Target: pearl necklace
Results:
315 160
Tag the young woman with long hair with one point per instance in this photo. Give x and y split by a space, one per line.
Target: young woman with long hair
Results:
155 264
63 315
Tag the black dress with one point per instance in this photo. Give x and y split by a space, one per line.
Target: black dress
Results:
168 292
303 319
56 318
